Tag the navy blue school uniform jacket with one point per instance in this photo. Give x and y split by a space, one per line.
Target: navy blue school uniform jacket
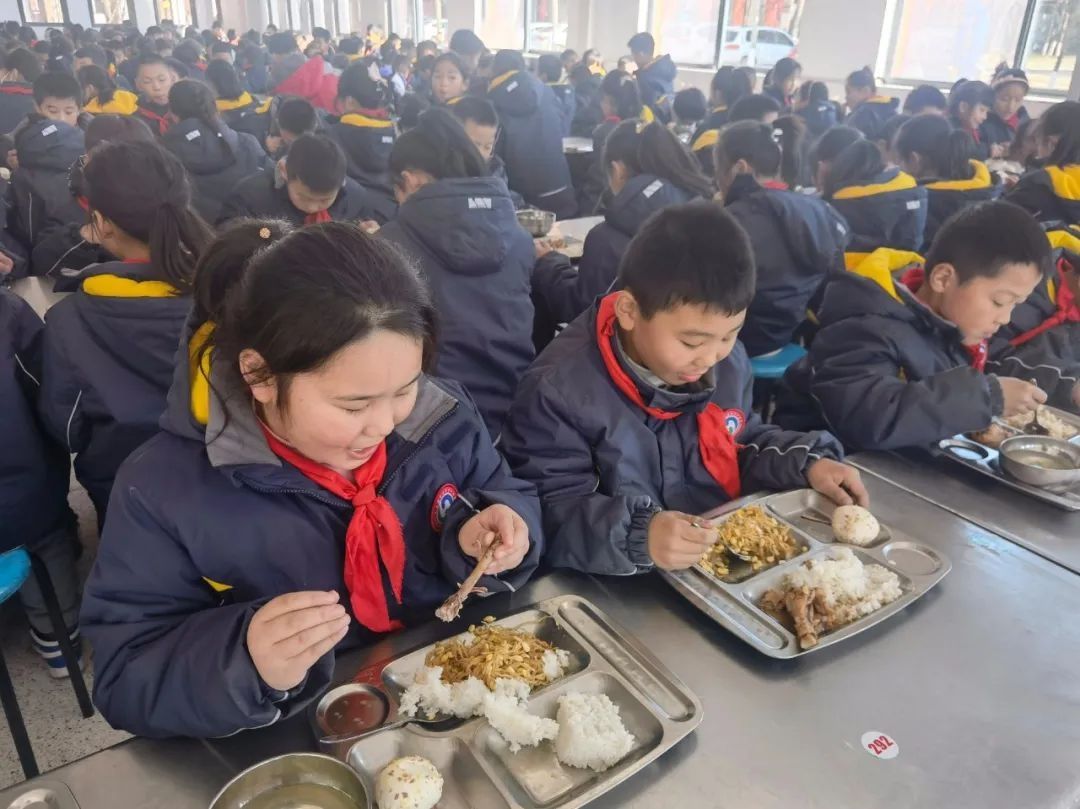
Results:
564 94
995 129
367 141
594 195
587 112
234 111
530 142
871 116
109 357
798 241
498 171
820 117
16 102
265 195
887 372
888 211
1051 194
39 187
657 84
604 466
34 470
466 238
215 161
777 95
946 197
207 525
703 141
562 292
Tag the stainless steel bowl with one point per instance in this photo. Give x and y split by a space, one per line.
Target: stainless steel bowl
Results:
1048 463
537 222
294 781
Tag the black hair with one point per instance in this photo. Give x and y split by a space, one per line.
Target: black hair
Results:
1019 149
642 43
690 254
298 300
221 47
858 164
454 59
387 51
1005 75
400 61
981 240
438 146
753 108
1062 121
187 52
784 69
224 261
830 145
566 54
793 148
356 83
427 45
25 62
95 53
887 135
351 45
690 105
478 110
620 87
282 44
156 210
507 61
193 99
945 151
100 80
297 116
117 129
549 68
317 161
321 33
814 92
750 141
410 110
154 59
224 79
862 79
42 47
923 97
27 34
971 93
467 43
57 85
729 84
653 149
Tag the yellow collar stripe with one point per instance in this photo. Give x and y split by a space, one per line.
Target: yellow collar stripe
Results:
706 140
115 286
901 182
647 115
123 103
880 265
265 107
1064 240
501 79
217 586
356 119
228 104
199 373
980 180
1066 181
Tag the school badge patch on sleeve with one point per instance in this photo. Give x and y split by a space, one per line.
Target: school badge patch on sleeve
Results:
734 420
444 498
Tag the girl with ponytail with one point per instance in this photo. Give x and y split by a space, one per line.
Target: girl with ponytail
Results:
1052 193
647 169
798 240
620 100
939 157
308 474
110 346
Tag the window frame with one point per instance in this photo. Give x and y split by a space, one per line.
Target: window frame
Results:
718 46
129 4
63 11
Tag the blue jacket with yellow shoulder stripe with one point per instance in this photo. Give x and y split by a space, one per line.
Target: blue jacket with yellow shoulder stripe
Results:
1051 194
886 372
871 116
206 525
108 362
947 197
604 466
367 140
889 211
704 139
657 84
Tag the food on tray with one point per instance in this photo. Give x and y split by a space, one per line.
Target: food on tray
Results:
591 734
992 436
1058 427
490 652
451 608
411 782
821 595
507 711
855 525
753 535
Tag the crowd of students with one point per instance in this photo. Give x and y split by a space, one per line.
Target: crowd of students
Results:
311 367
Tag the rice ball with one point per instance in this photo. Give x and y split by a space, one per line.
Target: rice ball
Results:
855 525
591 733
411 782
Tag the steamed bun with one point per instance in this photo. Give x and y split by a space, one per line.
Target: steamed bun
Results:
855 525
411 782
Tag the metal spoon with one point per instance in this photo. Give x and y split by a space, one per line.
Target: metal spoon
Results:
1035 428
698 524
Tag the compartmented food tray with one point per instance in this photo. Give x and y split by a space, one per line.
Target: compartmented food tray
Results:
43 795
984 459
358 721
1069 421
733 601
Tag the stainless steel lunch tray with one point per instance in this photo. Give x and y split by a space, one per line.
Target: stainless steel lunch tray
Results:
478 770
1071 419
43 795
734 603
984 459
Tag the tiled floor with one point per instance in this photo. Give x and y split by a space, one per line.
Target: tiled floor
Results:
57 730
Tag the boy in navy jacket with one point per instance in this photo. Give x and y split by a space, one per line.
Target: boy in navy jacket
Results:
638 415
655 75
907 364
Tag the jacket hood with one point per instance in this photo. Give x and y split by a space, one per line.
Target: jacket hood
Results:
640 198
1065 180
516 93
367 142
200 148
50 145
872 285
888 181
468 224
883 105
982 179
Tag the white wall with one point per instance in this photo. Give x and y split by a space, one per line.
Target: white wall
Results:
839 36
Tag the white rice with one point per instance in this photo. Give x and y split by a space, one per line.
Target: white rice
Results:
847 584
507 711
555 661
591 733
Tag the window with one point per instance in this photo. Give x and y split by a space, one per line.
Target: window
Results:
111 12
501 24
686 29
403 18
43 11
434 22
179 11
548 25
769 32
1053 41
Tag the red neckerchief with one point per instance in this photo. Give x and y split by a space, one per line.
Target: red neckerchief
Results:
612 119
317 217
374 533
1013 121
16 89
978 353
84 203
1068 308
161 122
975 134
716 444
775 185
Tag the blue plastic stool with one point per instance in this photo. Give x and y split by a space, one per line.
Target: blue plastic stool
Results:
772 366
15 568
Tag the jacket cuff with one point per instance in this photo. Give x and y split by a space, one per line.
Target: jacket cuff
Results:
637 542
997 396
